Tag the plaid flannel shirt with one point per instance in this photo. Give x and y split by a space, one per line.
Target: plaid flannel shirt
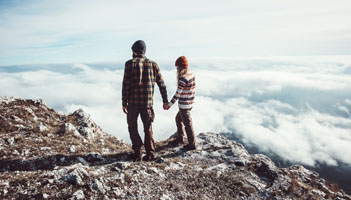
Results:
140 75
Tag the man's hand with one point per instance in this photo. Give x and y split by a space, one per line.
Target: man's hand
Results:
125 109
166 106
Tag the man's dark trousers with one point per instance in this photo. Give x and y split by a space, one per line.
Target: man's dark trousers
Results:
147 117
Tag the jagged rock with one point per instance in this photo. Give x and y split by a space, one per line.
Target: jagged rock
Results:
95 157
5 100
11 140
240 162
86 126
83 161
122 165
160 160
42 128
175 166
45 196
98 186
265 166
118 191
72 149
70 129
165 197
15 153
218 169
76 176
27 125
79 194
105 151
72 158
41 196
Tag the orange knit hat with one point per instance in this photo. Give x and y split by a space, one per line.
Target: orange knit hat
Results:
182 62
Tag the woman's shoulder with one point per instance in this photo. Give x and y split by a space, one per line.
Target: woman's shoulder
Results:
189 75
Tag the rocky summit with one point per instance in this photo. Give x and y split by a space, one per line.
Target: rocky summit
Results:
45 154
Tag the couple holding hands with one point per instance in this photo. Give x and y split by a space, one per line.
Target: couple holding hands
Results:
140 76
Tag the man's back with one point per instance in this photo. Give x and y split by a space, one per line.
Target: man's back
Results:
139 80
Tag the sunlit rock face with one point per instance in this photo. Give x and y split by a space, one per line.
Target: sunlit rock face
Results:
48 155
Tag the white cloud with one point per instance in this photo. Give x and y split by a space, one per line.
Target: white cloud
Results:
295 107
301 136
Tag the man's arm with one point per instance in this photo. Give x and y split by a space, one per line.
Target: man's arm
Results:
126 86
161 84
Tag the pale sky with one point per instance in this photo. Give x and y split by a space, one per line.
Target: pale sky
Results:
33 32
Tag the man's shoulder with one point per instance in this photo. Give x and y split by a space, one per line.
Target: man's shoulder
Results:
150 61
128 62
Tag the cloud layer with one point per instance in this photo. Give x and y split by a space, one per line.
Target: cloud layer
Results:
296 107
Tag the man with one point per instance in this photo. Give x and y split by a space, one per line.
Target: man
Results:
140 76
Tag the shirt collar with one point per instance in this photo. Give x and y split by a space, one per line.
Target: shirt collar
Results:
139 56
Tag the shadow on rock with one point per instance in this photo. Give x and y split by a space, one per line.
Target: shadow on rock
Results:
51 162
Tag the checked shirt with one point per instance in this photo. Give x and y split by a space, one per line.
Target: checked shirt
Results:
140 76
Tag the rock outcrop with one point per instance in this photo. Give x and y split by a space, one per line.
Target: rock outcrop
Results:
48 155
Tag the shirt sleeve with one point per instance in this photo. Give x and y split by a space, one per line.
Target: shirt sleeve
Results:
161 84
179 91
126 86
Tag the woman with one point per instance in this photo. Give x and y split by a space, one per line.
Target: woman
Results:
185 94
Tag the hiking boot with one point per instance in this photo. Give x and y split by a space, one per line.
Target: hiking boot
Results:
176 142
149 157
189 147
137 156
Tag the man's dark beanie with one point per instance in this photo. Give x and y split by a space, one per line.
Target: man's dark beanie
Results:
139 47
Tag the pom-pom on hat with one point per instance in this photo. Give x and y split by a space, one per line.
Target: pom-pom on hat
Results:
182 62
139 47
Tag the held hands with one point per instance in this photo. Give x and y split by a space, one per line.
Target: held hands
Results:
125 109
166 106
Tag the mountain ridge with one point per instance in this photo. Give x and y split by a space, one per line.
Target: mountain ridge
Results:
48 155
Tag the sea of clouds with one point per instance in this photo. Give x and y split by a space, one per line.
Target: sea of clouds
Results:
298 108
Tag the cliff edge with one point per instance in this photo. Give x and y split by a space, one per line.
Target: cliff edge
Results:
48 155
